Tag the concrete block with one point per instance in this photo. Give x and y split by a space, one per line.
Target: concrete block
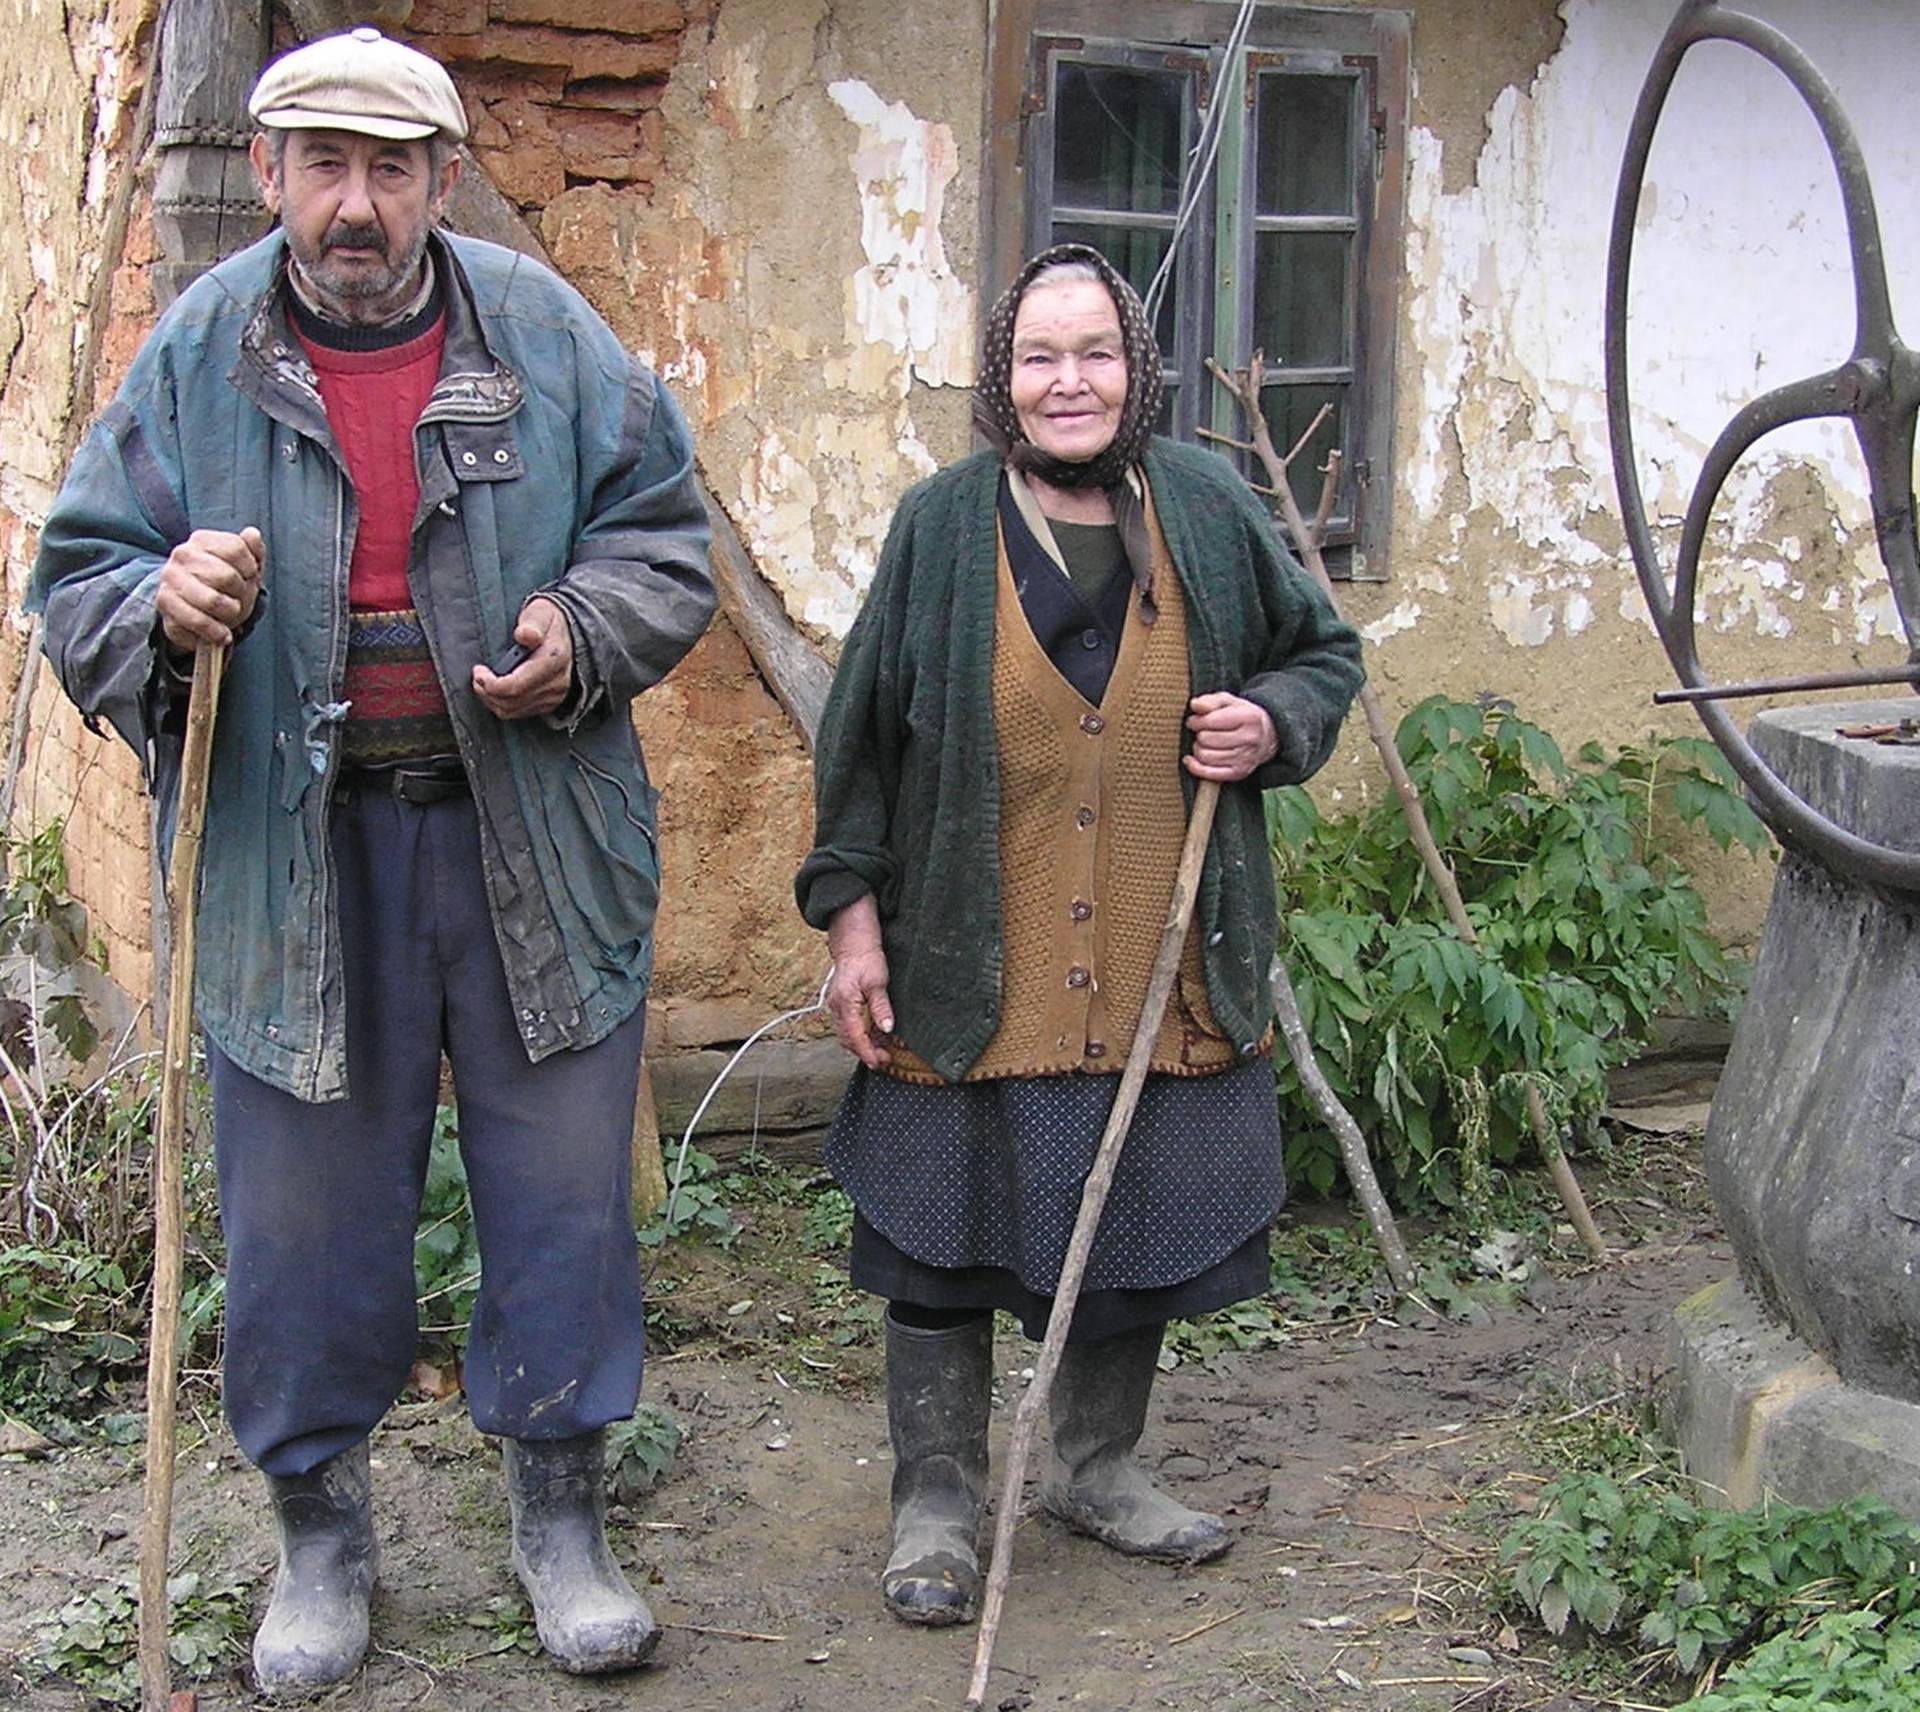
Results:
1758 1415
779 1086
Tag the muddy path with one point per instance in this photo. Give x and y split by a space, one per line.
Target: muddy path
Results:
1365 1467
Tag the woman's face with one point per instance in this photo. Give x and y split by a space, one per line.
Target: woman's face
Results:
1069 368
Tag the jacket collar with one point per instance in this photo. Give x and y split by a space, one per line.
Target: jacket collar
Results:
272 370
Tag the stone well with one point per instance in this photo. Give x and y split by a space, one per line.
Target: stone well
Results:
1800 1377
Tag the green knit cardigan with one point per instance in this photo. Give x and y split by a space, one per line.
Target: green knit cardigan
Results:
906 771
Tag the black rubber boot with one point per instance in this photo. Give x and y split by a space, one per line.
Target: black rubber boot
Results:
939 1387
1095 1484
315 1631
588 1615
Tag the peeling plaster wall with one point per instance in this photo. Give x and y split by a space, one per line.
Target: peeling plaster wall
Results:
804 272
1508 570
801 271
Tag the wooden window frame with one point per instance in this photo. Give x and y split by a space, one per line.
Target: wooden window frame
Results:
1028 36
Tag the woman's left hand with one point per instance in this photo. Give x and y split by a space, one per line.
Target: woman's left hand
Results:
1231 737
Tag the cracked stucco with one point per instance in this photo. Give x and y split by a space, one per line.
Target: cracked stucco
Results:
803 274
1740 285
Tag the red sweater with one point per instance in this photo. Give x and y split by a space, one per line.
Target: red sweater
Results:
374 400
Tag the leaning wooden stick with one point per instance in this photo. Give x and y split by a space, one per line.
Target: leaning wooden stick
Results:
1093 1201
1246 390
169 1149
1353 1145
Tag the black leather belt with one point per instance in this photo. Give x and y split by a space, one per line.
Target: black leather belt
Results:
415 782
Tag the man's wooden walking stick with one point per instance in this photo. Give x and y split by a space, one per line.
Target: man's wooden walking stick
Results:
1093 1201
169 1215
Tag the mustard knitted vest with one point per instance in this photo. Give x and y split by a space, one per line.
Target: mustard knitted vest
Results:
1092 816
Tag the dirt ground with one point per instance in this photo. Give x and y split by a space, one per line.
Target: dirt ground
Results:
1364 1467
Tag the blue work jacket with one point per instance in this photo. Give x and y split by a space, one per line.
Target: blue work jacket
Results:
550 462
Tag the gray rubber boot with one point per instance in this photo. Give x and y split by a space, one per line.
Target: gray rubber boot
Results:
1095 1485
939 1388
315 1630
587 1613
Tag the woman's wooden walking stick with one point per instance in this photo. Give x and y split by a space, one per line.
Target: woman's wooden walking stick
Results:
169 1213
1093 1201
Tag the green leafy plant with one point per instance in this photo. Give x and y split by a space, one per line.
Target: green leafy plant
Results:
41 925
1257 1323
506 1625
67 1329
446 1249
76 1251
1842 1661
1588 930
828 1222
699 1208
1698 1586
92 1640
641 1452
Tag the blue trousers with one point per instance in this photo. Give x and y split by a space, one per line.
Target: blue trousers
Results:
319 1202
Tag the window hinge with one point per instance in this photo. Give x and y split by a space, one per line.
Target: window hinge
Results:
1379 151
1363 471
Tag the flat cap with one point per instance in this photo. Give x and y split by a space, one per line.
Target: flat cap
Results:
359 81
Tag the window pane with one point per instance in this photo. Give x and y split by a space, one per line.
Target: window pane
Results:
1117 138
1288 411
1305 144
1300 298
1135 254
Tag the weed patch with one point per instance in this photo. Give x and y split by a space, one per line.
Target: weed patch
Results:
1588 930
1698 1589
641 1452
92 1640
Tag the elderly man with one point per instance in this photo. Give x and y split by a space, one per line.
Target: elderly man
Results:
449 529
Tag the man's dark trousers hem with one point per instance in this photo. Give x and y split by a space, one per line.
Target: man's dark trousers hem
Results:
320 1202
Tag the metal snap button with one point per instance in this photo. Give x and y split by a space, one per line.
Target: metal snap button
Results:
1084 818
502 456
1092 724
1081 910
469 458
1096 1049
1077 977
1089 640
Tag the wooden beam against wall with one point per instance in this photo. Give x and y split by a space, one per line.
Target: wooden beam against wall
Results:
205 202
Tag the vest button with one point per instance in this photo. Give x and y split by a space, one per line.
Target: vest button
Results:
1092 724
1077 976
1082 910
1084 818
1096 1049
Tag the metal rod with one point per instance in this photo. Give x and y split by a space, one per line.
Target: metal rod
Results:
1791 686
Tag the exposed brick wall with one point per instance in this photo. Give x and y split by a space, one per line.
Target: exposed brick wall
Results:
559 92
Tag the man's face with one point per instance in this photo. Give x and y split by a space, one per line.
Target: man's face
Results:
356 211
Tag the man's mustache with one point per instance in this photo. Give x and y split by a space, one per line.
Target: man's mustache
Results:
355 238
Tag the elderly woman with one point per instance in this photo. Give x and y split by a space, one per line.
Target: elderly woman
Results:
1062 635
